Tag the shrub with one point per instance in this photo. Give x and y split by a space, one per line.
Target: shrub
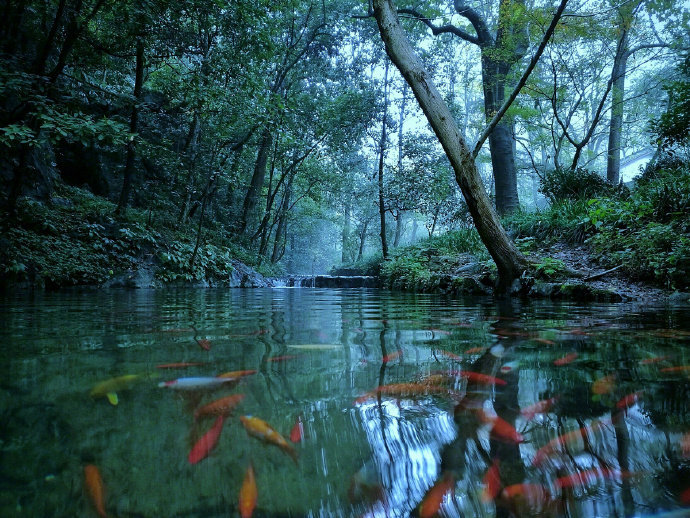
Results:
579 184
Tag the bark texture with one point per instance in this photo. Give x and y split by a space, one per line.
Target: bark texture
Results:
509 261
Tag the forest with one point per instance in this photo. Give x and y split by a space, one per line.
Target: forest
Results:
411 140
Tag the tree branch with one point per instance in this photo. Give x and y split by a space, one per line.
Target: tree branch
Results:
533 62
436 29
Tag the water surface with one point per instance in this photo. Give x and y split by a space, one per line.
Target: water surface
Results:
382 384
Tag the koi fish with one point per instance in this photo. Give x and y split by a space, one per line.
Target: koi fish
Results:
680 368
94 487
544 341
260 429
567 439
297 431
431 503
500 428
509 366
475 350
236 374
586 478
450 355
565 360
478 377
180 365
392 356
219 407
204 344
540 407
685 445
109 388
403 390
194 383
207 442
248 493
283 358
685 497
604 385
532 495
629 400
655 359
492 482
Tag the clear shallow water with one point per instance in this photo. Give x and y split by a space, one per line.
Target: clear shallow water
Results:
319 355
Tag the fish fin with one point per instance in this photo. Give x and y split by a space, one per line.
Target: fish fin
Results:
112 398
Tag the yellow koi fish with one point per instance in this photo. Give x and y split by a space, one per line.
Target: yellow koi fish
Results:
262 430
110 388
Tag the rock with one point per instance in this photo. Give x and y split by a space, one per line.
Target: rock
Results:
242 276
679 297
544 289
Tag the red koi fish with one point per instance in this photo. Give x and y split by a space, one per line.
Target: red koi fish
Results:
236 374
204 344
685 445
629 400
392 356
94 487
685 497
431 503
565 360
478 377
604 385
540 407
260 429
219 407
569 439
297 432
492 482
207 442
248 493
180 365
586 478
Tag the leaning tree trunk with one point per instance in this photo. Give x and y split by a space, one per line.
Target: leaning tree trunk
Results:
509 261
620 63
382 153
257 181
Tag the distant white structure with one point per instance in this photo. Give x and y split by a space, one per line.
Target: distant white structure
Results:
631 166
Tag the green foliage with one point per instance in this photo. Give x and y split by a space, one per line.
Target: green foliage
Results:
579 184
566 220
673 127
549 268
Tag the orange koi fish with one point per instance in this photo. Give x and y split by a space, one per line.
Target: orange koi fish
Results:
532 495
478 377
569 439
431 503
260 429
544 341
207 442
586 478
283 358
297 432
392 356
540 407
403 390
492 482
500 428
204 344
450 355
94 487
565 360
629 400
236 374
248 493
180 365
475 350
604 385
219 407
680 368
655 359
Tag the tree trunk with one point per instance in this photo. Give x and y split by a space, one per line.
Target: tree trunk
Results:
133 123
613 162
257 182
382 153
509 261
501 138
279 243
362 239
399 220
344 257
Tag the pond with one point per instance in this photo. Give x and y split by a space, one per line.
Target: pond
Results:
383 404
